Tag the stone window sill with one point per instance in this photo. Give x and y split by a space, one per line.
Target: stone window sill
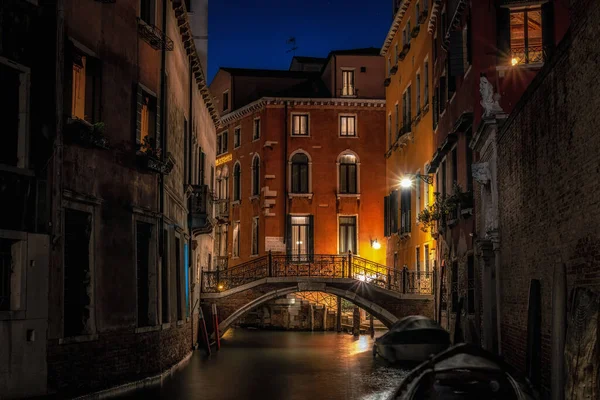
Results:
236 202
148 329
166 325
255 197
180 323
348 195
300 195
78 339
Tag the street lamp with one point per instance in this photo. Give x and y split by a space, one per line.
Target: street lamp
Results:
375 244
407 181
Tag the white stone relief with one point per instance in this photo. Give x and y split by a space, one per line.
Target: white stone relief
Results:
489 99
481 173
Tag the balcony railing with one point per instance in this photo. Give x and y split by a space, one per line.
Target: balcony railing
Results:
348 91
526 55
154 36
222 209
201 208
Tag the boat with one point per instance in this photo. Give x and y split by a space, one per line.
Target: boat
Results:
464 371
412 339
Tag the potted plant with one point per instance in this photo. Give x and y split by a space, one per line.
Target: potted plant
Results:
81 131
432 216
415 31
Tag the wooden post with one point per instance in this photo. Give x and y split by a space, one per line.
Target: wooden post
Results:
270 264
458 333
204 331
216 323
349 263
534 339
441 294
338 316
404 278
559 327
356 322
371 325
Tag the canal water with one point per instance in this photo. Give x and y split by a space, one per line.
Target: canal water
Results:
269 365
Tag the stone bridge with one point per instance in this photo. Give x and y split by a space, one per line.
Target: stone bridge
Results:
386 293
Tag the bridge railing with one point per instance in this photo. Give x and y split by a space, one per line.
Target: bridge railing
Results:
321 266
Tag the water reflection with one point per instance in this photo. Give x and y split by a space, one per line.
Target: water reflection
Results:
283 365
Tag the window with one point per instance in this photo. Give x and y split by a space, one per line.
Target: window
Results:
397 119
237 137
386 216
178 279
405 213
418 261
396 53
348 83
300 125
469 168
418 11
188 5
389 68
467 55
147 124
394 205
408 32
426 84
436 110
425 195
418 184
299 173
300 237
435 47
236 239
143 239
6 267
454 167
406 110
13 256
256 175
442 96
78 287
426 259
148 11
225 101
165 277
186 154
348 179
237 182
14 96
470 284
347 235
454 286
418 103
526 36
256 130
85 87
347 125
443 178
201 166
254 250
222 143
390 130
404 37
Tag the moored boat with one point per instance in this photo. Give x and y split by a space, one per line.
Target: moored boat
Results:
464 372
412 339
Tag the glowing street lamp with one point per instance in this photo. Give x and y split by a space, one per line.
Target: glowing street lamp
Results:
375 244
407 181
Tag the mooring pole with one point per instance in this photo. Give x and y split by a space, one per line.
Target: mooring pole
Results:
338 316
216 322
372 325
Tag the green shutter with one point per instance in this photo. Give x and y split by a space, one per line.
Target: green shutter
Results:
456 65
503 28
288 234
548 29
386 216
139 98
311 236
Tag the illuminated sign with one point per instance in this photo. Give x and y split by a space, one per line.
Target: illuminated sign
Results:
224 159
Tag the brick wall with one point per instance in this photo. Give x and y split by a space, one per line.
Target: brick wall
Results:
548 170
116 358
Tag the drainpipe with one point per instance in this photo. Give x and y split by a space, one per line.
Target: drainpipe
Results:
190 249
285 167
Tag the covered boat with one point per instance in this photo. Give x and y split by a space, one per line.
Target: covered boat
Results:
464 372
412 339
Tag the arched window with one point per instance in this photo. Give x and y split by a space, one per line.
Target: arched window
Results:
348 183
256 175
237 183
299 173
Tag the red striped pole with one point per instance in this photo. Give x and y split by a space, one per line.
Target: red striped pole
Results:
205 332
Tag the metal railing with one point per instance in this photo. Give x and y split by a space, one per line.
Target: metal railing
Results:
526 55
400 280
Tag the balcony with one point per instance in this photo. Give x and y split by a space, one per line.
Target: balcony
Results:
415 31
394 69
81 132
154 36
348 91
221 262
222 209
201 209
527 55
387 82
24 202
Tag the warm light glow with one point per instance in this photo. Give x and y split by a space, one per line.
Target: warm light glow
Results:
514 61
406 182
376 245
299 242
361 278
220 287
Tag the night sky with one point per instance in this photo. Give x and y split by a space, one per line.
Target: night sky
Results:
253 33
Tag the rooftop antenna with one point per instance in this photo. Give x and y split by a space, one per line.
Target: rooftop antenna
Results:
292 42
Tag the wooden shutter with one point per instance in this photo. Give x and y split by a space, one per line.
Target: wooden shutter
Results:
288 234
503 39
68 76
386 216
93 87
548 29
139 98
456 64
311 236
394 206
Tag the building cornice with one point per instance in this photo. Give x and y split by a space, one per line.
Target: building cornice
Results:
395 25
187 38
435 12
260 104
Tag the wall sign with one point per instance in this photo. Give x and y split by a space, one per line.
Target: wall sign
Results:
224 159
275 244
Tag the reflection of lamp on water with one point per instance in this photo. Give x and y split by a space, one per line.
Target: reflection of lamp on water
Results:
220 287
375 244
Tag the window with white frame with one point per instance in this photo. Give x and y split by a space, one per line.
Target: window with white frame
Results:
418 103
347 125
256 129
14 114
348 82
348 183
237 137
426 83
222 143
236 239
237 182
418 184
300 125
347 234
256 175
254 250
299 173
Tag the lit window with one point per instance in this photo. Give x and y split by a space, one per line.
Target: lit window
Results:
347 235
78 88
300 125
348 175
299 173
256 176
526 36
348 83
237 137
236 238
347 125
254 236
256 131
237 183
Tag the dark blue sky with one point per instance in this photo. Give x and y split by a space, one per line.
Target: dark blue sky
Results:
253 33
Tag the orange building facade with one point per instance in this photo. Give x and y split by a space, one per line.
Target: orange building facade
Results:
409 140
300 169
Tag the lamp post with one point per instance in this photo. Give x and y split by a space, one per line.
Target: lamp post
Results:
407 181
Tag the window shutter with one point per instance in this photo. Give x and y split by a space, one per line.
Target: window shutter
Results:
202 166
288 235
138 114
386 216
503 28
394 206
68 68
456 64
434 108
158 133
469 41
548 29
311 235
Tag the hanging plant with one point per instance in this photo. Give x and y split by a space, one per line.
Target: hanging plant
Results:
149 148
437 211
